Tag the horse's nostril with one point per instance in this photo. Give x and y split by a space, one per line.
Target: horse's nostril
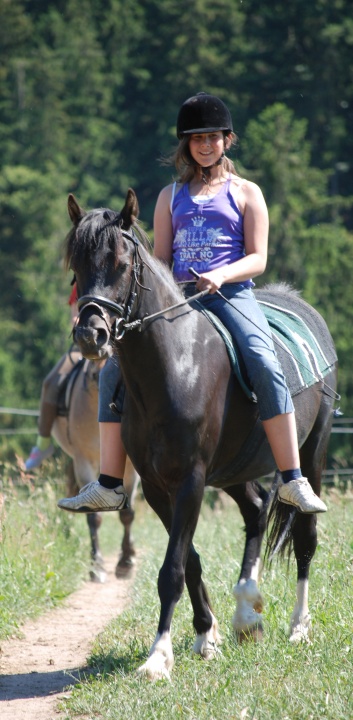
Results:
102 337
89 334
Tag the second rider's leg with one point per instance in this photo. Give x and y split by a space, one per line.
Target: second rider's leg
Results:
48 409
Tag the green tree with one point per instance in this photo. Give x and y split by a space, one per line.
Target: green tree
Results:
277 154
308 243
89 92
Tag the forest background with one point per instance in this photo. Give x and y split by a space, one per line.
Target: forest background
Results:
89 93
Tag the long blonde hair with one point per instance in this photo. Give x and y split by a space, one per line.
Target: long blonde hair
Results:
186 166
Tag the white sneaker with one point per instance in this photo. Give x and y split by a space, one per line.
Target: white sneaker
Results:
300 494
37 456
96 498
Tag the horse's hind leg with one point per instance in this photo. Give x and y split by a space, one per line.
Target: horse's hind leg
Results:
304 543
97 571
252 501
304 532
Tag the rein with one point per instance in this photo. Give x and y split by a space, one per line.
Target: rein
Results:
138 323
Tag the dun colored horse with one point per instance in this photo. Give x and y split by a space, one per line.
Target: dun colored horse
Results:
76 430
196 425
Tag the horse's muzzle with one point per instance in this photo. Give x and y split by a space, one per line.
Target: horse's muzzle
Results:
93 341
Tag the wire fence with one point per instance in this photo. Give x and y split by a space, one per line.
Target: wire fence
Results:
18 431
340 425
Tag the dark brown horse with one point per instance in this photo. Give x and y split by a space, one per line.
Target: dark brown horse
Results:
196 426
76 430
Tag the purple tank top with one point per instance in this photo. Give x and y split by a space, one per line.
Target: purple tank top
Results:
207 235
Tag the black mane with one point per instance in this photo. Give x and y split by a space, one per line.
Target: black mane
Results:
99 230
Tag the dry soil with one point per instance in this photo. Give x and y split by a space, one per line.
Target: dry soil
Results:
38 669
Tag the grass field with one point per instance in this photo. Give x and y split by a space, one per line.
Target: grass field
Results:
273 680
269 681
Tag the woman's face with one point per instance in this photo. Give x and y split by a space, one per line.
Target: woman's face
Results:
206 148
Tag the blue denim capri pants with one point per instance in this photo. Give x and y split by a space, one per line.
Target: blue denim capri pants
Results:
249 328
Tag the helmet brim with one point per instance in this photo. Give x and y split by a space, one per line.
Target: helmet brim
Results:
203 130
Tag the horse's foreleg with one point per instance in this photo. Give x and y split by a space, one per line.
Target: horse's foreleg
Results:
160 660
247 619
126 560
97 571
205 623
252 502
180 521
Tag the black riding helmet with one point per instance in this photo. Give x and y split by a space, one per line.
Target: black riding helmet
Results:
203 113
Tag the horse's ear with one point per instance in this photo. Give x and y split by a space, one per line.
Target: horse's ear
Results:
75 211
130 211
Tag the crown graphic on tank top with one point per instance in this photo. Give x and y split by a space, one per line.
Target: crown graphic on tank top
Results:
198 220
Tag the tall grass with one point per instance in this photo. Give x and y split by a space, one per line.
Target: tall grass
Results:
43 552
273 680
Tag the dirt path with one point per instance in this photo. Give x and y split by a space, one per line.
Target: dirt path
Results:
51 655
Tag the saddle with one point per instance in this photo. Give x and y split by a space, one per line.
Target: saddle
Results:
300 345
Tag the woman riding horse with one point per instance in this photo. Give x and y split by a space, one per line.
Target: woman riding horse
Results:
218 221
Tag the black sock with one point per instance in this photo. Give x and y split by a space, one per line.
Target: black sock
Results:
289 475
109 482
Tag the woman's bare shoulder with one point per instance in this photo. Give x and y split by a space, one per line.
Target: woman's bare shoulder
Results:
168 191
246 192
248 189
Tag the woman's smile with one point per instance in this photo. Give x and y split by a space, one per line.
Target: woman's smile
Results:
206 147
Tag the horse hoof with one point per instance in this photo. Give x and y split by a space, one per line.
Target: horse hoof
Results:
206 644
300 634
254 634
153 674
124 568
98 576
208 650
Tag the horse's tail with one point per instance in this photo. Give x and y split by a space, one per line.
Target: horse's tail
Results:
281 518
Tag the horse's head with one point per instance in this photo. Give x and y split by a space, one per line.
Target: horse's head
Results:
101 250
